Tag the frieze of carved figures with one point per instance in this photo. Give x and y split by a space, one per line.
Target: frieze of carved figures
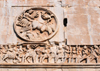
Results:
36 24
35 53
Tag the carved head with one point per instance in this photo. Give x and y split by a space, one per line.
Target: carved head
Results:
96 47
85 47
36 14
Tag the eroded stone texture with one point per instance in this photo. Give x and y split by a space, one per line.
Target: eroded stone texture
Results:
82 31
49 54
82 15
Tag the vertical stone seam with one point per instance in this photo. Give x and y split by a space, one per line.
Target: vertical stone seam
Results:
89 29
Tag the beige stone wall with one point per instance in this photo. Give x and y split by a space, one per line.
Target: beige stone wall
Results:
83 19
83 26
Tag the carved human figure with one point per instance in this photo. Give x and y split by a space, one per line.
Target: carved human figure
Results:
53 50
3 49
25 22
30 53
1 52
95 53
79 54
21 54
85 54
39 55
45 54
31 14
46 16
11 54
74 54
43 23
67 53
60 54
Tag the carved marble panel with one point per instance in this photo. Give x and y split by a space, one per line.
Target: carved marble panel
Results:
49 54
36 24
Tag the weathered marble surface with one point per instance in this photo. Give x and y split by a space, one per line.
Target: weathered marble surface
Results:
82 28
49 54
83 19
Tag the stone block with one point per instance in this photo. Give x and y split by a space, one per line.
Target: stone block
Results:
36 69
12 2
16 69
37 2
4 69
78 39
2 3
91 3
54 69
77 24
95 39
94 3
75 10
4 11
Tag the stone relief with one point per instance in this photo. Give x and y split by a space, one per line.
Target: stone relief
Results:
28 53
36 24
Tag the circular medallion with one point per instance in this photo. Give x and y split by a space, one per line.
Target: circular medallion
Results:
36 24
